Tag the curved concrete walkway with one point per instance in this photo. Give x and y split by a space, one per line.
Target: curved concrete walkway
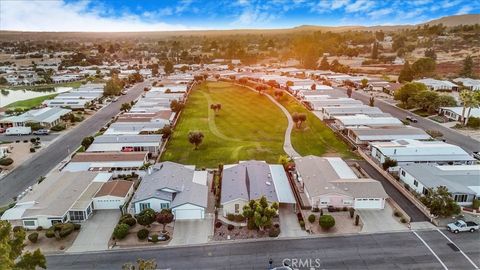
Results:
287 143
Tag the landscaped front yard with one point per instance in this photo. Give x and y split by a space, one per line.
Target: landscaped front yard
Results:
248 126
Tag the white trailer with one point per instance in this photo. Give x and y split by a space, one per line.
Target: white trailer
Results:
18 131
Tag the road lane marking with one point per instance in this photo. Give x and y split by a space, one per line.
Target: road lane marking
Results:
431 250
461 251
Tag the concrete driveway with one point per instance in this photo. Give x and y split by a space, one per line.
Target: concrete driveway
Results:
96 231
289 226
194 231
380 220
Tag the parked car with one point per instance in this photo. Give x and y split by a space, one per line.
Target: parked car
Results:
2 130
18 131
411 119
41 132
462 226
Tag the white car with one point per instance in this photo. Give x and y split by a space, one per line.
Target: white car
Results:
462 226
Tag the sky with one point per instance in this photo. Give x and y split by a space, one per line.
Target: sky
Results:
169 15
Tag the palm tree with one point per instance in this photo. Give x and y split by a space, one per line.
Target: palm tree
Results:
468 101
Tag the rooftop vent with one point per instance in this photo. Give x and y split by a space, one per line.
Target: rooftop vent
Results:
268 183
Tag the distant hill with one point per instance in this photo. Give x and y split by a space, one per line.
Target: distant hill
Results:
456 20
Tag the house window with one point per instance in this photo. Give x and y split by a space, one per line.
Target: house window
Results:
29 223
237 208
144 206
425 191
461 197
164 205
77 215
403 173
415 183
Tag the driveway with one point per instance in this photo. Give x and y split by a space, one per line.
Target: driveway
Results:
96 231
380 220
190 232
289 226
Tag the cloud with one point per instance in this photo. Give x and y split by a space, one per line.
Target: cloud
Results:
449 3
464 10
253 16
78 16
360 5
380 12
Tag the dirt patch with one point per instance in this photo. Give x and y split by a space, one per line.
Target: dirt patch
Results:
132 240
239 232
50 245
343 223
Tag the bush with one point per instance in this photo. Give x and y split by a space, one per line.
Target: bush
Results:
66 229
218 224
357 220
154 238
302 224
351 211
403 220
129 221
230 227
476 204
231 217
397 214
239 218
125 216
32 150
17 228
473 122
6 161
251 224
77 226
273 232
58 127
321 212
50 234
121 231
316 210
326 222
311 218
142 234
33 237
39 228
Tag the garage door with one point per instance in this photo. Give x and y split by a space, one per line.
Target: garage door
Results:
188 214
368 203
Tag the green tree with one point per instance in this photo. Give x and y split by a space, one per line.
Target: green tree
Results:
216 107
423 67
195 138
125 107
326 222
440 202
467 69
299 118
121 231
389 163
11 248
469 100
406 74
324 65
146 217
176 106
168 68
260 213
87 141
164 217
113 87
409 90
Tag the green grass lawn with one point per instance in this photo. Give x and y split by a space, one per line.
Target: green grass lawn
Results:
315 137
249 126
27 104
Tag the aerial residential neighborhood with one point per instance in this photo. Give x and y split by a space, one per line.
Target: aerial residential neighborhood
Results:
244 135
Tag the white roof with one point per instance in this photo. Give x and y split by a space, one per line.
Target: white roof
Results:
365 120
200 177
282 185
341 168
474 112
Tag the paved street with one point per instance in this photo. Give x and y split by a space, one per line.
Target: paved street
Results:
451 136
29 172
403 250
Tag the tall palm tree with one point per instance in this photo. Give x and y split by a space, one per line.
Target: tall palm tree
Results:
468 101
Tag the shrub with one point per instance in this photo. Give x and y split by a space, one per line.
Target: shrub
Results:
33 237
32 150
77 226
403 220
351 211
316 210
273 232
231 217
321 212
473 122
154 238
49 234
251 224
311 218
121 231
125 216
357 220
6 161
302 224
397 214
218 224
58 127
66 229
326 222
130 221
39 228
142 234
476 204
17 228
230 227
239 218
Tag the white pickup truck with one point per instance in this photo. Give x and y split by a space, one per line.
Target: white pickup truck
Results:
462 226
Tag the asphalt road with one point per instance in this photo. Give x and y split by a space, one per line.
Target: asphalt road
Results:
451 136
415 214
361 251
28 173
